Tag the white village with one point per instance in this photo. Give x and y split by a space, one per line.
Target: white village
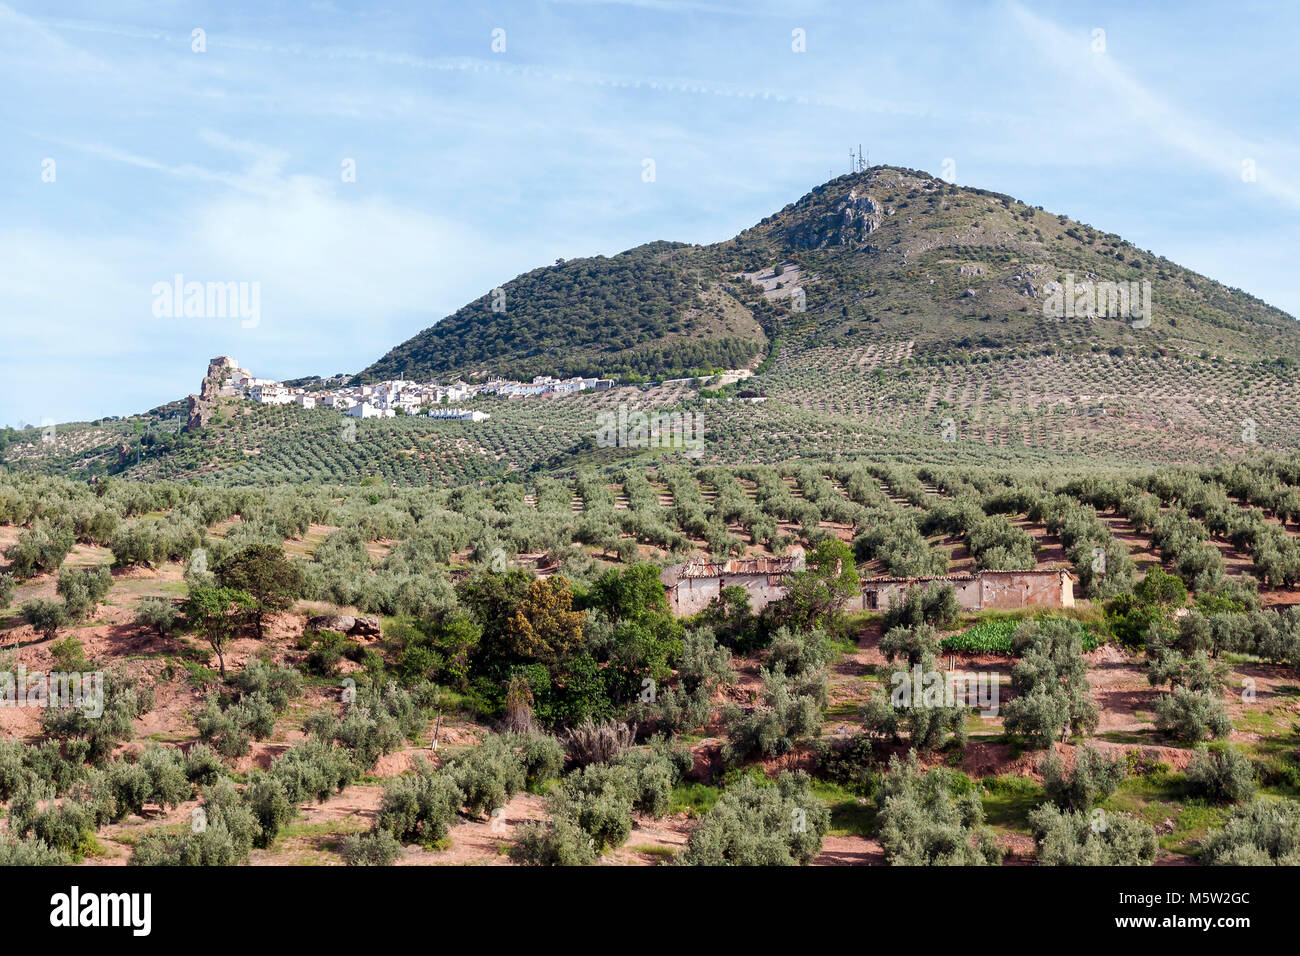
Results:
390 398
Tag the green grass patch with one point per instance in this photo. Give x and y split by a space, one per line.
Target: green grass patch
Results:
1008 800
652 850
694 799
851 815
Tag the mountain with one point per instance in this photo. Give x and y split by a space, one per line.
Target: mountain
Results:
885 315
885 254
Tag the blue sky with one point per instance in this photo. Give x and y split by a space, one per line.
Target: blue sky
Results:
474 165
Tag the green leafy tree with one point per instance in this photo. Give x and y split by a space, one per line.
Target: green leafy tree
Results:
263 573
216 614
544 626
815 596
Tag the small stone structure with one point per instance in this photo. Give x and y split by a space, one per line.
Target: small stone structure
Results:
691 586
978 590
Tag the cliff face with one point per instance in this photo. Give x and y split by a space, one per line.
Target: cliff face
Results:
204 405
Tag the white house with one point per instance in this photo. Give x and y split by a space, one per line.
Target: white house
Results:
271 395
366 410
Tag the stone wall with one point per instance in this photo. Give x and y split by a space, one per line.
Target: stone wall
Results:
692 595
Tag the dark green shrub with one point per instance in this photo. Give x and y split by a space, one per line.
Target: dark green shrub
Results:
752 825
375 848
559 842
932 818
1225 776
1191 716
1076 838
418 807
1092 778
1263 833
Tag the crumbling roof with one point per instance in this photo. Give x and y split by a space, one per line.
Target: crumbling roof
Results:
715 569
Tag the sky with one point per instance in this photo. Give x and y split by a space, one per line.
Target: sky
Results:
360 170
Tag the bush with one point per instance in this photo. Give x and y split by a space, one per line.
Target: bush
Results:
45 617
799 651
1091 779
157 613
927 722
705 666
541 757
313 770
850 762
31 852
913 643
1076 838
1225 776
82 589
229 831
326 649
936 604
376 848
265 796
222 731
69 656
7 587
1263 833
932 818
157 776
752 825
653 775
202 765
1051 682
561 842
419 807
776 725
1191 716
489 775
598 798
38 550
590 742
275 683
123 699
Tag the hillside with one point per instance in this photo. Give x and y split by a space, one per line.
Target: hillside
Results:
885 254
644 312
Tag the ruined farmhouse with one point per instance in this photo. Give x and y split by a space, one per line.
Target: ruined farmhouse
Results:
978 590
691 586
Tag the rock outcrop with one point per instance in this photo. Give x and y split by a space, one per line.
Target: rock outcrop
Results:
204 405
363 628
848 224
